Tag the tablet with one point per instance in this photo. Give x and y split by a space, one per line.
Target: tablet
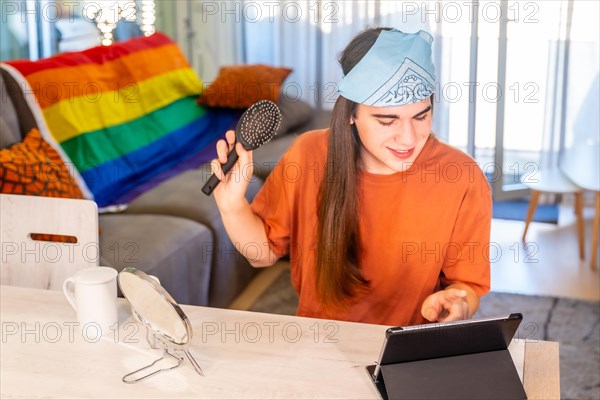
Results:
446 339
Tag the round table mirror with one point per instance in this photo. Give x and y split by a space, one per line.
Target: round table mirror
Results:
162 316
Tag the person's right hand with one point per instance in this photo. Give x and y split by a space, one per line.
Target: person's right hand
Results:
230 193
446 305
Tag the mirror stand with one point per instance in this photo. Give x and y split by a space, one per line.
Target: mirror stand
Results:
127 378
168 352
193 362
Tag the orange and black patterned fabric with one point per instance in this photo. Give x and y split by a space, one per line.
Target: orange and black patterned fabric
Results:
33 167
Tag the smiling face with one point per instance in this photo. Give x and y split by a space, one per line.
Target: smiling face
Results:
392 137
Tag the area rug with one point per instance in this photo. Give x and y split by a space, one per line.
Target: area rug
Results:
574 324
516 210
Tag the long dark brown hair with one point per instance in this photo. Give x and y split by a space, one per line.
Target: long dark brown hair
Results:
338 273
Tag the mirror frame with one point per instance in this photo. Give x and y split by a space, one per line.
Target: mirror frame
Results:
167 297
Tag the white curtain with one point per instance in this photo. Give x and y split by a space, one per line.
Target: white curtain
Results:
572 92
583 91
305 35
208 32
309 35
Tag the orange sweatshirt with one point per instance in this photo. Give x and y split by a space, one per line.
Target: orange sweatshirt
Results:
421 229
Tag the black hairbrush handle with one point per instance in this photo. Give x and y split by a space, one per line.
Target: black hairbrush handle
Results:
213 181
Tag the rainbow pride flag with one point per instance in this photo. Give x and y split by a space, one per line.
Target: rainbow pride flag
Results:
123 114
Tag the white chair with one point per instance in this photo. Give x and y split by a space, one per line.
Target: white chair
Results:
555 181
39 263
579 170
582 166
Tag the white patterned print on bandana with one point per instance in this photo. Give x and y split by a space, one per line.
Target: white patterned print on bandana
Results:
409 84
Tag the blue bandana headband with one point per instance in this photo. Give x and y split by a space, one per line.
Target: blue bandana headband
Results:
397 70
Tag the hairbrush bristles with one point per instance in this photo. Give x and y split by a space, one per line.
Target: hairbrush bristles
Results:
258 124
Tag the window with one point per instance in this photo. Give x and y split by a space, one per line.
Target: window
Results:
36 29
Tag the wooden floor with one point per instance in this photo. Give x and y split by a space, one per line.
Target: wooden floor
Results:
547 265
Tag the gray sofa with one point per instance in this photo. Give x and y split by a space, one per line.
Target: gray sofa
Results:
174 231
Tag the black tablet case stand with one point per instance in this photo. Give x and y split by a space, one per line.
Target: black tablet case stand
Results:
439 373
490 375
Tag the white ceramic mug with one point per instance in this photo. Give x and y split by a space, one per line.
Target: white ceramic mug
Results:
93 294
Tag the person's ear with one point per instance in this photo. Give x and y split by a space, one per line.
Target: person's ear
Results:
353 114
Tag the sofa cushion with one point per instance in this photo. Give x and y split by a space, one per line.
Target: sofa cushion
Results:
294 113
170 248
240 86
10 132
182 196
21 100
33 167
124 113
266 157
320 119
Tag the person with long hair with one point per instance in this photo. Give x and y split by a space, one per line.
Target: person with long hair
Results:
383 222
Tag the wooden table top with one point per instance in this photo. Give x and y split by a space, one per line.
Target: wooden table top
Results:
243 355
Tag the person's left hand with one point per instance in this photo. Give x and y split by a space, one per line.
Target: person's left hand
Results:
446 305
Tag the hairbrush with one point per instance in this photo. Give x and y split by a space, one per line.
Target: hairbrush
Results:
257 125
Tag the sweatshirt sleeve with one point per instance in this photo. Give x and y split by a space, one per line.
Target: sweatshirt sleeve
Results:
272 206
467 259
